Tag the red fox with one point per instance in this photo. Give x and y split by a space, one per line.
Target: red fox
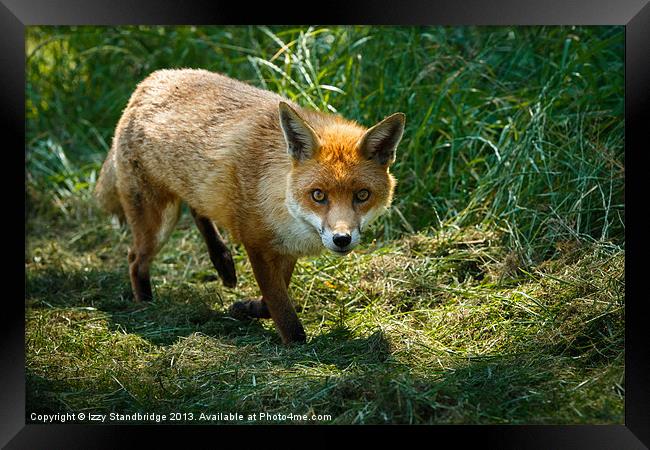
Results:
284 181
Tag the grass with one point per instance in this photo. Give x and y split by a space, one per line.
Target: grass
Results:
433 328
492 292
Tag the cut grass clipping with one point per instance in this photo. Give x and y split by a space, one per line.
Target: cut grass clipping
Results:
492 292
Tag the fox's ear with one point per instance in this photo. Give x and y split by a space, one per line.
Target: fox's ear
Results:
380 142
302 140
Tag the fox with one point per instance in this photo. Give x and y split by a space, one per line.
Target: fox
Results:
284 181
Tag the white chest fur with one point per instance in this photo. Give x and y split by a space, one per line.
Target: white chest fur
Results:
298 234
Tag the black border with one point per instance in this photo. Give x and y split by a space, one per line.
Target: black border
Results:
634 14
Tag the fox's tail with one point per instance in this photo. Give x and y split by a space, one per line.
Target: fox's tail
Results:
106 187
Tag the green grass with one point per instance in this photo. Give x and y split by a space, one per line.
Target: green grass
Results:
492 291
433 328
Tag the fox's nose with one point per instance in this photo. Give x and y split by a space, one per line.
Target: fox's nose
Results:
342 240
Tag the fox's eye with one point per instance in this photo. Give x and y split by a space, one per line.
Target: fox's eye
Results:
362 195
318 195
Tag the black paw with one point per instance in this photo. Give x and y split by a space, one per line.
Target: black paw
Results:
249 309
240 311
297 336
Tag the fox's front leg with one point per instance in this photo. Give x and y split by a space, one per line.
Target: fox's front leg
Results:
273 273
257 309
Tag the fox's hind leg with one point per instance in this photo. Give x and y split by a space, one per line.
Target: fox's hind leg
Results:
219 254
152 216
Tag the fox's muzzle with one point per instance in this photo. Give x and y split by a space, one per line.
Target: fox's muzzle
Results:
340 241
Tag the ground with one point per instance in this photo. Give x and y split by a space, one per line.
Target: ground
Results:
442 326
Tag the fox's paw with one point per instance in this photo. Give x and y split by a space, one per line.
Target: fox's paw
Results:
249 309
294 334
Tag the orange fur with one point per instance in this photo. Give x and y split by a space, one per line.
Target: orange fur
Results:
217 144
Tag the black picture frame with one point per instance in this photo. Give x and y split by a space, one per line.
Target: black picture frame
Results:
15 15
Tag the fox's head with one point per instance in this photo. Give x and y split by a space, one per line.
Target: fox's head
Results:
339 180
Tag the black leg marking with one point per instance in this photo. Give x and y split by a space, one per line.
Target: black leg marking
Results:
140 281
219 254
144 288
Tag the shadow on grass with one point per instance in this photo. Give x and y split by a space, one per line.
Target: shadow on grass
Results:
184 340
195 356
177 311
45 395
496 391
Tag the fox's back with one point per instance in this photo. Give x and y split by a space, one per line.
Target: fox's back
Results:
194 111
198 94
196 133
